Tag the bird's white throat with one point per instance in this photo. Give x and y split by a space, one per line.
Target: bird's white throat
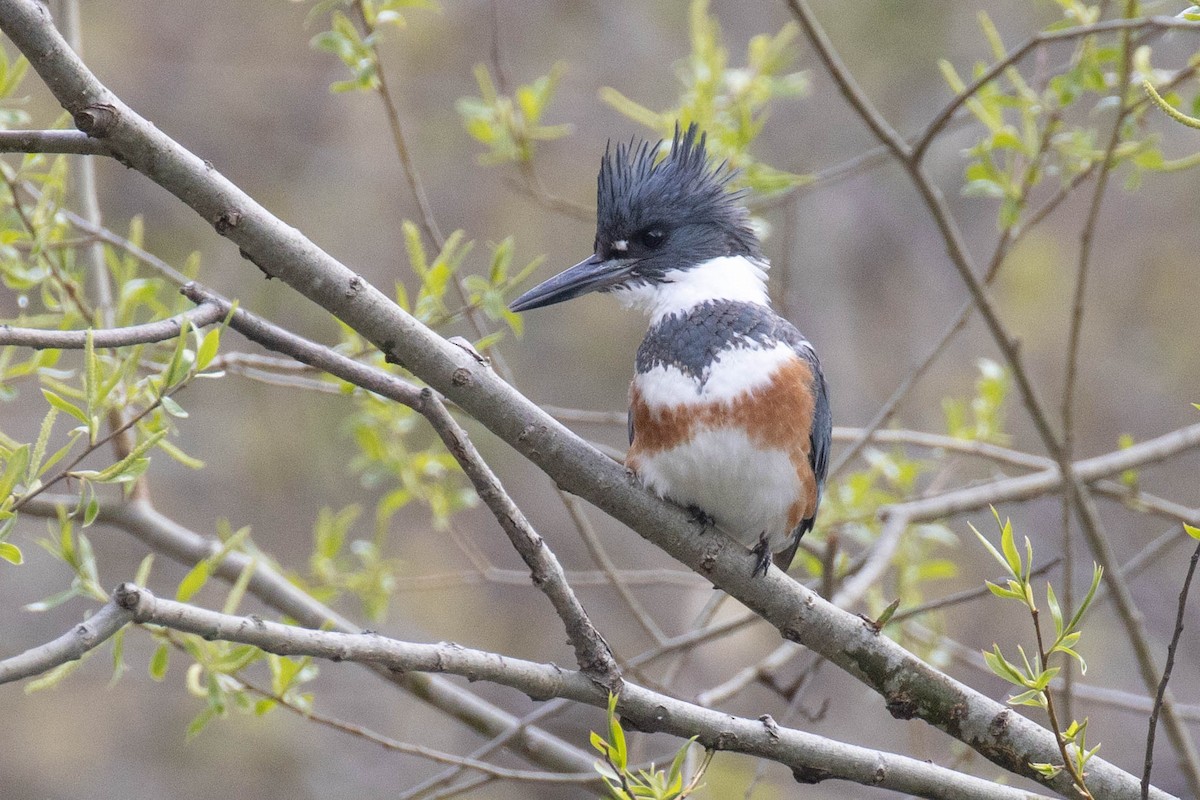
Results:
732 278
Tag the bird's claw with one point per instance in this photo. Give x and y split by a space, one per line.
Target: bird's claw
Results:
763 561
701 517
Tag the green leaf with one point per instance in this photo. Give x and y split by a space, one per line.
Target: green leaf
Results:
118 655
39 448
171 407
123 468
1007 594
209 346
200 721
193 581
1055 611
675 773
1002 667
91 510
159 661
53 601
1048 771
1031 697
620 754
1192 531
178 455
238 591
888 613
236 659
14 470
1097 576
179 365
143 571
55 676
1011 554
11 553
990 547
62 405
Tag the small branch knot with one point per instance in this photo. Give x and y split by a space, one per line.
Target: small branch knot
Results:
227 220
127 595
98 120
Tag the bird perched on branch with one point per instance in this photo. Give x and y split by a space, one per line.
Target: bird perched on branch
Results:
728 412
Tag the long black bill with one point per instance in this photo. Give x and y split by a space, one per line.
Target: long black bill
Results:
591 275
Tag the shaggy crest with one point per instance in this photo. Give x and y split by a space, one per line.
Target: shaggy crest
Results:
636 189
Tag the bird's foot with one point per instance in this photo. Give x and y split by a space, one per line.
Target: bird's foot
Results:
763 551
701 517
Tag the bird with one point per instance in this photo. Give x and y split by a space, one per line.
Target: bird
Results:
728 408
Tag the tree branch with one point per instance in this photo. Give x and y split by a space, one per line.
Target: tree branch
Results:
71 646
912 688
1162 686
146 333
161 534
812 758
71 142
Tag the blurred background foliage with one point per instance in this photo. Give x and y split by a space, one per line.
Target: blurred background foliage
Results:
504 109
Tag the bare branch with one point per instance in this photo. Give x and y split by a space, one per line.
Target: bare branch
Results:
71 142
1162 686
491 770
146 333
71 646
812 758
160 534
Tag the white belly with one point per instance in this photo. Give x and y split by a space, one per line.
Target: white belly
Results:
746 490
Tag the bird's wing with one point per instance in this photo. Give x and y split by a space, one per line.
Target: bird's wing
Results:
820 438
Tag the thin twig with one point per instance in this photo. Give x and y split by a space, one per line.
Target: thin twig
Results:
1068 763
599 554
1075 325
1016 54
958 598
1170 665
71 646
352 729
539 714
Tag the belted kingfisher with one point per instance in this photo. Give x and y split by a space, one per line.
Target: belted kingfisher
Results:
728 412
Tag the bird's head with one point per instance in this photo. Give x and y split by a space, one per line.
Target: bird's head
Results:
656 219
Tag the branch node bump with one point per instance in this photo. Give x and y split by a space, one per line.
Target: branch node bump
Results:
811 775
227 220
97 120
127 596
902 705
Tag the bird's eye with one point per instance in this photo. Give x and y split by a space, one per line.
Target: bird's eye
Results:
652 238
